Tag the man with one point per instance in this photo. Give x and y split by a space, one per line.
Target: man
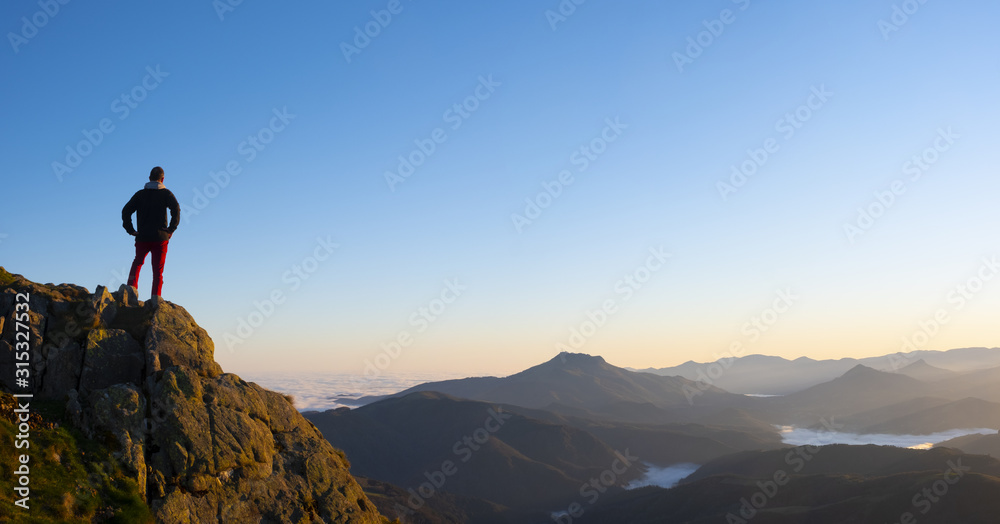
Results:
150 205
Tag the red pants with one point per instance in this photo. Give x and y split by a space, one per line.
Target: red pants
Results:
159 251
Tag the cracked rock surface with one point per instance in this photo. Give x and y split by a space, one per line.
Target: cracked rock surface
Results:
205 446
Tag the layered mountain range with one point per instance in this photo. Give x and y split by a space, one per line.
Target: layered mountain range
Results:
134 421
768 375
737 440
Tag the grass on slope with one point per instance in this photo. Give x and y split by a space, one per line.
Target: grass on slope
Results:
72 478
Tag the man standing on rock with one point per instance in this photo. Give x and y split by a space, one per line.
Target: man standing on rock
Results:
150 204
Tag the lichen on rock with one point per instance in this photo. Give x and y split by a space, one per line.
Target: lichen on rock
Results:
203 445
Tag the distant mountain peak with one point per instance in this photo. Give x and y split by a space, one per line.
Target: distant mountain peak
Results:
919 364
924 371
861 370
578 381
566 357
868 374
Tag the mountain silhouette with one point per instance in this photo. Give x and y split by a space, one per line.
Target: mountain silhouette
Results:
859 388
826 485
500 456
976 443
921 370
984 384
769 375
585 385
966 413
444 507
871 417
811 499
842 459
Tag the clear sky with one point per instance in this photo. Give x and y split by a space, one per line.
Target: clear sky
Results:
385 160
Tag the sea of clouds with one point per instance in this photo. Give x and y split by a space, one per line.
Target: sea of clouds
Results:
814 437
323 391
667 477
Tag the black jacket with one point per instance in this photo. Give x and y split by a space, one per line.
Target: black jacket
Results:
150 206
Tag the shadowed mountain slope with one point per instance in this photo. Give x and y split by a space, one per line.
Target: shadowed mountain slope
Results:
860 389
842 459
960 414
812 499
977 444
984 384
828 484
859 421
921 370
493 454
443 507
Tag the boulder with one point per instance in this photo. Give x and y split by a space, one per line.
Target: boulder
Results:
174 339
127 296
101 307
203 445
119 410
7 362
62 369
111 357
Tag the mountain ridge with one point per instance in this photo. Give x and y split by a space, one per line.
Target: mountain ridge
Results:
576 381
772 375
484 450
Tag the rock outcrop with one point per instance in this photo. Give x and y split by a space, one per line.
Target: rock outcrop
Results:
204 445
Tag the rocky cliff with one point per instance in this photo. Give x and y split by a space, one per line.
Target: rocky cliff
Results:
202 445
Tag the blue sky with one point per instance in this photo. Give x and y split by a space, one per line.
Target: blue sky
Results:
195 92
